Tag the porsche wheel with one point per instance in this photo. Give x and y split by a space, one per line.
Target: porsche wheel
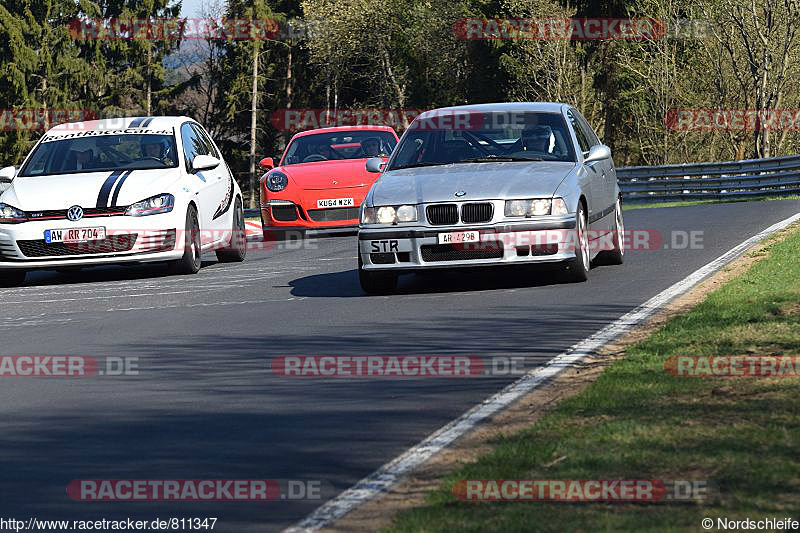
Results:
237 250
376 282
192 255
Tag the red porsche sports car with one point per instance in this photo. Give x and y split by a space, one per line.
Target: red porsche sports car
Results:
321 179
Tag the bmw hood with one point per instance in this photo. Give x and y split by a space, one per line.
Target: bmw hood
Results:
472 181
90 189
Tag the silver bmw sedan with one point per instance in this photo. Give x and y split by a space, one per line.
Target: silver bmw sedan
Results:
491 184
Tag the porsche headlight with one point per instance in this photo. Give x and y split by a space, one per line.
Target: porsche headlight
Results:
163 203
389 214
535 207
276 181
11 215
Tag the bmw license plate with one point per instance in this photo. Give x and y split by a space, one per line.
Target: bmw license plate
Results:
74 235
459 237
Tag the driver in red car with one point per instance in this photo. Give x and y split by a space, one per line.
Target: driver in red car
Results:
321 149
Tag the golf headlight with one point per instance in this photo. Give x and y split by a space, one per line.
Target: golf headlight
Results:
389 214
276 181
11 215
163 203
535 207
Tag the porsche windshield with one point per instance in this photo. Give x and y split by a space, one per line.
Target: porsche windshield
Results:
484 137
101 153
339 145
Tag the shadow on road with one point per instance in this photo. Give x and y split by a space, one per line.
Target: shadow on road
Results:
344 284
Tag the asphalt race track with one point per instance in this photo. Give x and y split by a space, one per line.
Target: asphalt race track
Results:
206 405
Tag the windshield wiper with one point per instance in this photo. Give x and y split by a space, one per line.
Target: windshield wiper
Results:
415 165
498 159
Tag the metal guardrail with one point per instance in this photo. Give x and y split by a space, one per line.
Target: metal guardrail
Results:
776 176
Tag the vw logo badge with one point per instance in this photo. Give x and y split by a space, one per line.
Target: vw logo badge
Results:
459 194
75 213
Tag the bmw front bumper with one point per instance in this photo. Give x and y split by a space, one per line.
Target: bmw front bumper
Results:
546 239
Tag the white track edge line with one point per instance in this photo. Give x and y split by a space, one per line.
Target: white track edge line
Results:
387 475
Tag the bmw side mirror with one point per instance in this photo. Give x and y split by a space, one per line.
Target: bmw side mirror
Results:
267 163
204 162
375 164
7 174
597 152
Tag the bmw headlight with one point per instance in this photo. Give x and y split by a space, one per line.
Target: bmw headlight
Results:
535 207
389 214
11 215
163 203
276 181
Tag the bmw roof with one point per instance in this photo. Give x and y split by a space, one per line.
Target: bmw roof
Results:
504 107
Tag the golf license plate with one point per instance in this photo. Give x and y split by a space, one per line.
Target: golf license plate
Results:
73 235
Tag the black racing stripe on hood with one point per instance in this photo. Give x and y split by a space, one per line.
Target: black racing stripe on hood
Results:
105 190
119 186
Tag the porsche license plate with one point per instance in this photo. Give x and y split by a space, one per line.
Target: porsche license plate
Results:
74 235
459 237
335 202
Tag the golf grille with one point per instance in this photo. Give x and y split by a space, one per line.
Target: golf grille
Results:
40 248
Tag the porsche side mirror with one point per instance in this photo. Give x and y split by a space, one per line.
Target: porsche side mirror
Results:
375 164
597 152
267 163
204 162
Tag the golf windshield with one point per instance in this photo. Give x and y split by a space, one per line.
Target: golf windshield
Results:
62 154
484 137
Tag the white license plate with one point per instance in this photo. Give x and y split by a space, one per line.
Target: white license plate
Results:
335 202
459 237
75 235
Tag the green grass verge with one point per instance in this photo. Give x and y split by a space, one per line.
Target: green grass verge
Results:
637 422
629 207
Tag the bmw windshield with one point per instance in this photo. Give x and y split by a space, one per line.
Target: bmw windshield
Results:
484 137
79 153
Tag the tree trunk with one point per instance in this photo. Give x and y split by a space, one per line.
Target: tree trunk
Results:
287 135
253 122
148 81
